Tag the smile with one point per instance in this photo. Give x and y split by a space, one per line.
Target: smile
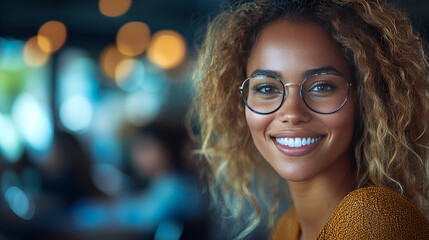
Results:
297 142
297 146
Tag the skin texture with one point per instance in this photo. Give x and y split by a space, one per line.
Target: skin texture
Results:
319 176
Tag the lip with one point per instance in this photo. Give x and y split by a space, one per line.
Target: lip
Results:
297 151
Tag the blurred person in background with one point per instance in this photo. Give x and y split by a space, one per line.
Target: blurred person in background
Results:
67 171
65 180
168 207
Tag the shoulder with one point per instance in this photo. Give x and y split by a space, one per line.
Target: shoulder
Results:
287 227
380 202
377 213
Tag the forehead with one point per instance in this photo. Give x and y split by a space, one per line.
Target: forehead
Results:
292 47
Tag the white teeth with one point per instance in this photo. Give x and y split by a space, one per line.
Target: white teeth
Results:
297 142
291 142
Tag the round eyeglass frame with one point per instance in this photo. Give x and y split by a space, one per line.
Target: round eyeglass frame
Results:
300 92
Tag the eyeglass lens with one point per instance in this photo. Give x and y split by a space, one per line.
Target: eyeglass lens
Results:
322 93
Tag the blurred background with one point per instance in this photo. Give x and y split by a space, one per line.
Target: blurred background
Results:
93 96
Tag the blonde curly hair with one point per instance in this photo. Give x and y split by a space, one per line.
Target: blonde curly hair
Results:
391 83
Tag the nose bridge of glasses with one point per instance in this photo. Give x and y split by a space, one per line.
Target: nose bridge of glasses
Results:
286 85
292 84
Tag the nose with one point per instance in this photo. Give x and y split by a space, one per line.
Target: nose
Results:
293 109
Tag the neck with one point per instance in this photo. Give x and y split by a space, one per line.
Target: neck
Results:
315 199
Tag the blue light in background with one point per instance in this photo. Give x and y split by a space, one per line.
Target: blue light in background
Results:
154 80
136 77
21 203
77 75
76 113
76 90
10 143
33 121
11 54
169 230
106 149
107 121
142 107
13 72
108 178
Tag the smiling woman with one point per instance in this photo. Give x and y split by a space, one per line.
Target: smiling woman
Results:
332 96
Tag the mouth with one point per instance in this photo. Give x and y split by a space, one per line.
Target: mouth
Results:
297 142
297 146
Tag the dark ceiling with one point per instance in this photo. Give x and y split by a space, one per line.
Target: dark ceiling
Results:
88 28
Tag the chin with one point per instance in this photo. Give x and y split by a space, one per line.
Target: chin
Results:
295 173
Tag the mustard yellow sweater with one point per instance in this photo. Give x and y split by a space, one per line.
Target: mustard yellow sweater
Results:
366 213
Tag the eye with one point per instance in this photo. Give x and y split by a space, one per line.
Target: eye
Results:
265 89
321 87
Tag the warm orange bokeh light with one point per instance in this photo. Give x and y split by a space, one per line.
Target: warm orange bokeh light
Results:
51 36
133 38
124 69
33 55
114 8
167 49
110 60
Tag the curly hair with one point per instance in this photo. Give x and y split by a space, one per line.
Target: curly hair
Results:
391 82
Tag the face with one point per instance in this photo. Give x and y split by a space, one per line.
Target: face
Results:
150 157
290 51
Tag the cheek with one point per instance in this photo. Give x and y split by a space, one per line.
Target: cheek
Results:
253 122
342 123
258 125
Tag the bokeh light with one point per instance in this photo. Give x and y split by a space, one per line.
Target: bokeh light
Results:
44 44
141 107
133 38
124 69
110 60
167 49
11 56
10 142
77 74
114 8
154 80
20 202
51 36
76 113
76 87
33 55
135 78
33 121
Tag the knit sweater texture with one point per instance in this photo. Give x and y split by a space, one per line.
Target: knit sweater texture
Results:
366 213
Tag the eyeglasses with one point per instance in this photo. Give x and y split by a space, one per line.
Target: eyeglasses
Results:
323 93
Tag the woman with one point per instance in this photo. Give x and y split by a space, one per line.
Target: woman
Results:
333 95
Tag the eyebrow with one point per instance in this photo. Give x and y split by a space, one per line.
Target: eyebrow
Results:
327 69
307 73
265 72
